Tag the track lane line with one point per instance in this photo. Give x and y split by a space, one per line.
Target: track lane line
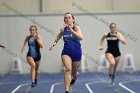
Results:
126 88
53 85
19 86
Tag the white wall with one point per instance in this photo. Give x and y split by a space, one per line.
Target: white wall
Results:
13 30
61 6
24 6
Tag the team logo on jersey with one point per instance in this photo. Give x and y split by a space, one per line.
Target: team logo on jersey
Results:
70 35
111 38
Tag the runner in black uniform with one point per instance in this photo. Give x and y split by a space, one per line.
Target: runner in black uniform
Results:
112 53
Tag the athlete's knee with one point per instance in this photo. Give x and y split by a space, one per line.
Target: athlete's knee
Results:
68 69
33 66
112 64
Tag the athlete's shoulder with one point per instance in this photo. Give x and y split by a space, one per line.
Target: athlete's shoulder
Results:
106 34
27 37
118 33
38 36
76 26
62 29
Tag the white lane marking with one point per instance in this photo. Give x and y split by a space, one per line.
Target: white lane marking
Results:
88 87
53 85
121 84
19 86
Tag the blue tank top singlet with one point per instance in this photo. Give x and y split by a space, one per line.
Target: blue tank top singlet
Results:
70 39
72 46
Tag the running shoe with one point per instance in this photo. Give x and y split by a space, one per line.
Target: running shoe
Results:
35 81
112 80
67 92
112 83
72 82
33 84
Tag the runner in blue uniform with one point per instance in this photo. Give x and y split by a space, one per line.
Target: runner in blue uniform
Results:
112 53
33 56
72 52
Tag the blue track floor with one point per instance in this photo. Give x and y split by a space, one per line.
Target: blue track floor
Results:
86 83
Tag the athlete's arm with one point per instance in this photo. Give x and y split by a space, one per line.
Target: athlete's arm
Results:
102 41
77 32
39 40
121 38
58 37
25 42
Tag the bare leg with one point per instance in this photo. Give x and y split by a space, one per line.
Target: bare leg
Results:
117 59
33 66
36 70
111 60
67 73
75 68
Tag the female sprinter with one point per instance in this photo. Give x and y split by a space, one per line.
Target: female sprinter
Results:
112 53
33 56
72 52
